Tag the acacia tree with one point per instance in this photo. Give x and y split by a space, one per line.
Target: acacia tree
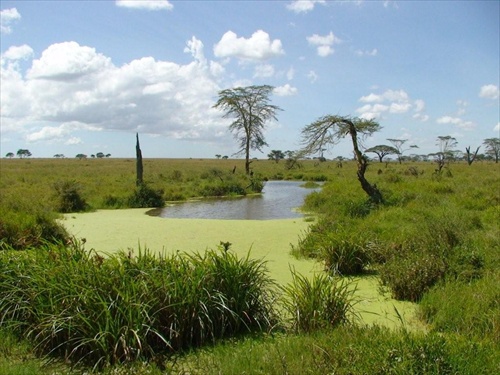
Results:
493 147
23 153
446 145
276 155
398 145
382 151
9 155
329 130
250 108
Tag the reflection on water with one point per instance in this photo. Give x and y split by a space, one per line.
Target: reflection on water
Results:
279 200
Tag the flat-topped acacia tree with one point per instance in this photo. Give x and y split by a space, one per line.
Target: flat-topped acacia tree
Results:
250 108
329 130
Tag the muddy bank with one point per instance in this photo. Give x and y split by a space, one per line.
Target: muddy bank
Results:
113 230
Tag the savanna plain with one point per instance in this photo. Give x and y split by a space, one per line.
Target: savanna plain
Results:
90 283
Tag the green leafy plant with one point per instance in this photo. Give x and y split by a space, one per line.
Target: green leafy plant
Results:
145 196
319 302
68 197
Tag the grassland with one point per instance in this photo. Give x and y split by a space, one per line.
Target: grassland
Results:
434 241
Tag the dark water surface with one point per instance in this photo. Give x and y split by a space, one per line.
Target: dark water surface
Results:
280 200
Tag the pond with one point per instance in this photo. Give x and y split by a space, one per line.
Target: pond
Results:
280 200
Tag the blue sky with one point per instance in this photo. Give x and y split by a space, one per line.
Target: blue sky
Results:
85 76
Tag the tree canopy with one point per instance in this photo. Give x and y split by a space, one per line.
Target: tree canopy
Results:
23 153
276 155
382 151
329 130
250 109
493 147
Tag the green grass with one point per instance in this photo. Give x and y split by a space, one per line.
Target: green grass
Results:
97 311
435 240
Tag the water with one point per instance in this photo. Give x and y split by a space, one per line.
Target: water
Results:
280 200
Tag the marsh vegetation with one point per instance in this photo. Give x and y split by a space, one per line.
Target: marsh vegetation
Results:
434 241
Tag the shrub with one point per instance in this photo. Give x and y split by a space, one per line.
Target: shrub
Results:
345 254
323 302
343 249
111 201
409 275
145 196
68 197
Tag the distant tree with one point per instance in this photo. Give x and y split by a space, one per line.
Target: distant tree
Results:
292 160
398 145
329 130
81 156
218 156
493 147
276 155
99 155
471 156
250 109
108 155
23 153
92 156
445 154
9 155
59 156
225 157
382 151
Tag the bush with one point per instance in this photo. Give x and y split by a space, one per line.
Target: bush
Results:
322 302
345 252
145 197
68 197
409 275
343 249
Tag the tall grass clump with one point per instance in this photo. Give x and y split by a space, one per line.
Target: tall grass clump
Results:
145 196
27 224
343 248
68 197
471 308
436 248
324 301
95 310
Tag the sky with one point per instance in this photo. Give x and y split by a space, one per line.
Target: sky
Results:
86 76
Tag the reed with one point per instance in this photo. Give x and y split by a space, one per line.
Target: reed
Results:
91 310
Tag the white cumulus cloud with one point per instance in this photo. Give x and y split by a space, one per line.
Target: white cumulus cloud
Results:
323 43
285 90
390 101
145 4
7 17
303 6
73 87
489 92
23 52
256 48
459 122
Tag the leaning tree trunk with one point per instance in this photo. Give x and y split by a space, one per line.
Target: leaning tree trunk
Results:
139 168
362 163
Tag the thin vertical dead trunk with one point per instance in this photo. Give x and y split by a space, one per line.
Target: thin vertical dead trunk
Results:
139 167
